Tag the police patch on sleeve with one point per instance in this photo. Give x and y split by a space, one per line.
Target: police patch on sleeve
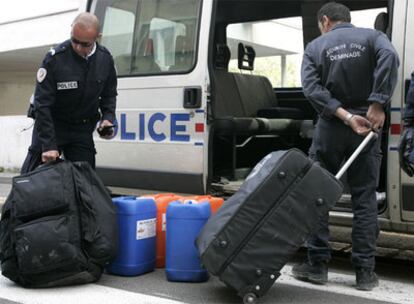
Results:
41 74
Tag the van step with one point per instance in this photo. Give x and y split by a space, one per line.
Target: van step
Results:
345 202
226 188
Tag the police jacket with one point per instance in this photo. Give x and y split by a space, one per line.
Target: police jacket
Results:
349 67
73 90
409 101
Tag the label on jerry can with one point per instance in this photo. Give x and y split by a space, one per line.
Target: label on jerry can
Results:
146 228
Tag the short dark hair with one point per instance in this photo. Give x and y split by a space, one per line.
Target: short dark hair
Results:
335 11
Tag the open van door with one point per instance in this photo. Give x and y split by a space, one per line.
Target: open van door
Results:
159 48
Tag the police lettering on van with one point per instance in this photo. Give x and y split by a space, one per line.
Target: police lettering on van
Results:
146 127
157 127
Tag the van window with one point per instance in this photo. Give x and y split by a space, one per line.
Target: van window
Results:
117 36
152 37
278 44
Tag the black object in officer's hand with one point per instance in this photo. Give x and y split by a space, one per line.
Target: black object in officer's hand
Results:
405 149
31 111
106 130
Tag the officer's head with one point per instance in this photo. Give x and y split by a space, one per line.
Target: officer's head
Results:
85 31
331 14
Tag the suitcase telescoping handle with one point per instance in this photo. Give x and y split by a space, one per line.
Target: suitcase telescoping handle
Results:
354 155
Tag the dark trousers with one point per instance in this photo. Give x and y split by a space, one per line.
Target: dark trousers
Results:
75 143
333 142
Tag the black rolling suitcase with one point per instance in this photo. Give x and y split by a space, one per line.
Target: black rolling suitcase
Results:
259 228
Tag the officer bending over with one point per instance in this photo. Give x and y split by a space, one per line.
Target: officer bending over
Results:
406 144
76 87
348 75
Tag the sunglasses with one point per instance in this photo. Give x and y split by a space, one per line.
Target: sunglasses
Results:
81 43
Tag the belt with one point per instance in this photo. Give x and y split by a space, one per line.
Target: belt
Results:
82 121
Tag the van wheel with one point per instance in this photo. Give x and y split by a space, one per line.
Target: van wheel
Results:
249 298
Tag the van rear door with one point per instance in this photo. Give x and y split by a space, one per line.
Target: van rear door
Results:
159 48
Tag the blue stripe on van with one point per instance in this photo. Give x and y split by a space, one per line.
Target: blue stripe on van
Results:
199 144
199 111
394 148
395 109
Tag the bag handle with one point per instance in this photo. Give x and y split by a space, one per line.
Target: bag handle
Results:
51 163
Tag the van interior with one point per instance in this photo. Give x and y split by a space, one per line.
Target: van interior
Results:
257 106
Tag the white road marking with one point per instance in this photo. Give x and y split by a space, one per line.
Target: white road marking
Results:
91 293
340 283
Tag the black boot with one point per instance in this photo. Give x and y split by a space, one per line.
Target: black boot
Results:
366 279
316 272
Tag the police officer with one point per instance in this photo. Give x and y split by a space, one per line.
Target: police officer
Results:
76 87
406 144
348 75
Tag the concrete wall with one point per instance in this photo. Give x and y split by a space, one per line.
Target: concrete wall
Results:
14 141
28 24
28 29
15 94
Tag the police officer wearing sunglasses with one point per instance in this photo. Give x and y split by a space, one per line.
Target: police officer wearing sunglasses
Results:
76 88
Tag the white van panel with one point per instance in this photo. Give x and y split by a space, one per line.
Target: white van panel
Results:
155 132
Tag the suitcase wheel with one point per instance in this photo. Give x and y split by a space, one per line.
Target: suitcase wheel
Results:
249 298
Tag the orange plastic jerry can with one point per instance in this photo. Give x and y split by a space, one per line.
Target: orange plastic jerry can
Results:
215 202
162 200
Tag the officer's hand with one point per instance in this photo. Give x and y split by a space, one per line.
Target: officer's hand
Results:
376 116
360 125
106 129
406 152
49 156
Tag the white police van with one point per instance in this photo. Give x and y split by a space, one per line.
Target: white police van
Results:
208 87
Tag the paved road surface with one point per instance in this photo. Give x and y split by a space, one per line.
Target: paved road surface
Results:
154 288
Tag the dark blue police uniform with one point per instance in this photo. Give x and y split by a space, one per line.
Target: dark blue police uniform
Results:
349 67
72 94
406 145
409 101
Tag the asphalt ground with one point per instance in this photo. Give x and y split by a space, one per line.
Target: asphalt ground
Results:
4 190
154 288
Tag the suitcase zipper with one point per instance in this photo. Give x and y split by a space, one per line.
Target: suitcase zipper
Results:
79 214
263 219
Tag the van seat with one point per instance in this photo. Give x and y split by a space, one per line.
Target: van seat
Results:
259 99
239 98
228 109
381 22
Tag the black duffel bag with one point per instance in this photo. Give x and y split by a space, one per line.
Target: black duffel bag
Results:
58 227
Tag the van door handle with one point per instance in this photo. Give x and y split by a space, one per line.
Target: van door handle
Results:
192 97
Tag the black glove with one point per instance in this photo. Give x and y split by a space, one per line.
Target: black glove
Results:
405 149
